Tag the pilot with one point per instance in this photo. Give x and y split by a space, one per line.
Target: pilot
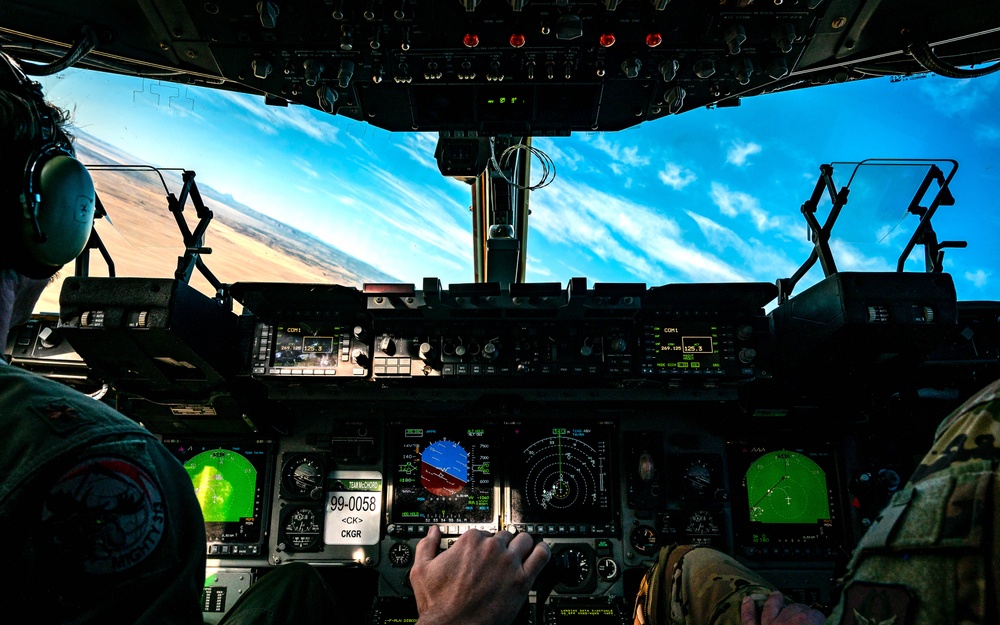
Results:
932 557
101 521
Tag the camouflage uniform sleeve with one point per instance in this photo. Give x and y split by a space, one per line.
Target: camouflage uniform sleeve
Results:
933 554
693 585
932 557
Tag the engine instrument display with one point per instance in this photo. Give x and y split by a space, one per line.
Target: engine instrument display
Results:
230 481
785 500
442 474
561 478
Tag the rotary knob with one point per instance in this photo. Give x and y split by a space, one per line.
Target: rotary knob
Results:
427 352
360 357
387 346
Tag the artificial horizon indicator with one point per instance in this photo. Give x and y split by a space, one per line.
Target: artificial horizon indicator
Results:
442 474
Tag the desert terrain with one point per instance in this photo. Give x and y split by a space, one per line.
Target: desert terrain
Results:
144 239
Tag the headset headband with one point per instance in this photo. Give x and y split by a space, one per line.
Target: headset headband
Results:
56 192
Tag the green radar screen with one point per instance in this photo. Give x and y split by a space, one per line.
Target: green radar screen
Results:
787 487
225 483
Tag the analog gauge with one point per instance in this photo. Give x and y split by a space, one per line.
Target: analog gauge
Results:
577 567
701 523
699 478
303 476
643 540
300 529
400 555
787 487
607 569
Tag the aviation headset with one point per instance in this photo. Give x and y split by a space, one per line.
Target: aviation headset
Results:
49 220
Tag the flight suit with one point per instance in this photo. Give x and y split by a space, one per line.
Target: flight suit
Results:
101 520
931 558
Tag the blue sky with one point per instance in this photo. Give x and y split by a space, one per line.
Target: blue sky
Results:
705 196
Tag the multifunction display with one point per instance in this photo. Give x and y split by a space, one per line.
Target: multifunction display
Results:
442 474
307 348
785 500
231 483
692 347
305 345
561 478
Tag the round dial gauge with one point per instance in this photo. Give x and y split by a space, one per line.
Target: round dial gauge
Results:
579 571
643 540
400 555
300 529
607 569
701 523
303 476
698 478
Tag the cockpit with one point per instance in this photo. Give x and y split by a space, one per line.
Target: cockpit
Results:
329 412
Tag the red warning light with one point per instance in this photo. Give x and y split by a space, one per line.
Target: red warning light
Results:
516 41
654 39
470 40
607 40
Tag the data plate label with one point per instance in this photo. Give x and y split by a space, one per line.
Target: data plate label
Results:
353 508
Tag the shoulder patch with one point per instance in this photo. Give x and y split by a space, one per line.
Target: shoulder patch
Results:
867 603
105 515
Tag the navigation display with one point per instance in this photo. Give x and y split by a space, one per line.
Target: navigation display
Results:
231 483
561 479
784 499
443 474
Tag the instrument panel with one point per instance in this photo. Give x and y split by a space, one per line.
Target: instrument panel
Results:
607 421
604 487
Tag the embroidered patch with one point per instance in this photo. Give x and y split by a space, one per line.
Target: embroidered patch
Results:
60 416
877 604
105 514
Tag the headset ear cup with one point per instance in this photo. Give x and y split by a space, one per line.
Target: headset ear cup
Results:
64 214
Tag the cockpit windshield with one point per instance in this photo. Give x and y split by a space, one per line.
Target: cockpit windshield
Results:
714 195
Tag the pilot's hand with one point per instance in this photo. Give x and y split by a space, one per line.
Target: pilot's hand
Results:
479 580
775 612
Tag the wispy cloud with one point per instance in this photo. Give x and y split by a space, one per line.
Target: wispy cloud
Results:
736 203
766 263
535 267
271 119
628 234
988 133
561 157
423 214
420 146
978 277
305 166
621 155
956 97
740 151
850 258
676 176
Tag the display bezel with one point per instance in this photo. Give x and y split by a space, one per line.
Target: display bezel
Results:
687 346
248 535
528 443
410 502
325 352
766 537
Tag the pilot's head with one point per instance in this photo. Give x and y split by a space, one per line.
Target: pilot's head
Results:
46 195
